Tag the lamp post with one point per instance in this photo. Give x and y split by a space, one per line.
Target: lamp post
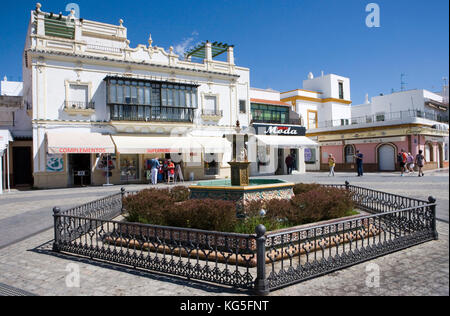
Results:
1 170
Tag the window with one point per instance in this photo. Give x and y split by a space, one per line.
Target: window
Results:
77 96
380 117
270 113
344 122
349 154
242 106
210 105
341 90
312 119
145 100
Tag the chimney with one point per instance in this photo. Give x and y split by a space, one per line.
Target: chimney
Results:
367 99
310 76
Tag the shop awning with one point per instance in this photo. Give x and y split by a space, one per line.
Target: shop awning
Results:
167 145
79 143
287 141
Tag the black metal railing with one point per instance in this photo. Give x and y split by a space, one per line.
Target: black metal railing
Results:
260 262
145 113
79 105
386 117
218 113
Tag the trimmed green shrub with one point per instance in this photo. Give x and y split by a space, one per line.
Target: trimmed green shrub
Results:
205 214
300 188
180 193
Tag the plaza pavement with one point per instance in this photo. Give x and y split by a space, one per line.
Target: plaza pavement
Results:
27 263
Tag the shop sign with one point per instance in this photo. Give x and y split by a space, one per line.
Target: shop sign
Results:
280 130
78 150
55 163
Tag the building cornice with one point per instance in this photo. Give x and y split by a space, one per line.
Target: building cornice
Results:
154 66
317 100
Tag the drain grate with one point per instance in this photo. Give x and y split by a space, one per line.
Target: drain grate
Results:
6 290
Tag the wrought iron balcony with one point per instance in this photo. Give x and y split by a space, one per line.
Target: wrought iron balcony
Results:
78 105
212 113
145 113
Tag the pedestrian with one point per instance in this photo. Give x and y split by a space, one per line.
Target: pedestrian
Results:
155 166
420 162
289 162
402 158
170 171
359 163
332 164
410 163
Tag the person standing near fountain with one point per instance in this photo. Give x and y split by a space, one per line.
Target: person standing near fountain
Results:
289 164
154 166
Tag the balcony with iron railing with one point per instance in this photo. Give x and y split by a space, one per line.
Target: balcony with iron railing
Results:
79 108
212 115
146 113
386 117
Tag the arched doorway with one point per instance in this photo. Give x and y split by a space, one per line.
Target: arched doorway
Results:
386 158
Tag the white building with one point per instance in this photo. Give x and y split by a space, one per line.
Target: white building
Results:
322 99
93 94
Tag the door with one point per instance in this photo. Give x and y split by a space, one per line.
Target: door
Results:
386 158
80 169
22 166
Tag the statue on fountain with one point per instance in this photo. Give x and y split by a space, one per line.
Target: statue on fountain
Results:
240 166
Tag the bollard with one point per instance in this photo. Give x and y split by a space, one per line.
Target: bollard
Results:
261 283
56 223
432 200
122 192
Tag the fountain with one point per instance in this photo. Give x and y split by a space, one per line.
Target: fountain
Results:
241 188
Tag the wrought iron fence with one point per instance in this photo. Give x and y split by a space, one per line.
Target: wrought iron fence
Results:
260 262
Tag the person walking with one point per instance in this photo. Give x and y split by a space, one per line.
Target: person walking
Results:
289 163
359 163
420 162
402 159
332 164
410 163
155 166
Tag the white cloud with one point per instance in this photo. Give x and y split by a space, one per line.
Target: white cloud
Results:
186 44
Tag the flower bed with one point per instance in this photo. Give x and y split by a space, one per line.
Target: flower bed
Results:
312 203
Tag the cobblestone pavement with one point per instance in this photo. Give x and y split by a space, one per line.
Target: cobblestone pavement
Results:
31 266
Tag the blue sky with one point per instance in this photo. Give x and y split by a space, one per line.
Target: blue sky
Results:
281 41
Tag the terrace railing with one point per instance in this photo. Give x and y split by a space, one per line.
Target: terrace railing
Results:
260 262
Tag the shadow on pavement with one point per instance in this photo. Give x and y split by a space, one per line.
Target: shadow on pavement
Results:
46 249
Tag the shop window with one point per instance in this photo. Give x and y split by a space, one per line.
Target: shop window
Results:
212 165
349 154
310 155
129 168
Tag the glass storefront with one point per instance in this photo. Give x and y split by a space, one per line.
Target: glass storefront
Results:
129 168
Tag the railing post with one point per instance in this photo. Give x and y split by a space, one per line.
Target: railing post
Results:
261 283
122 192
57 222
347 185
432 201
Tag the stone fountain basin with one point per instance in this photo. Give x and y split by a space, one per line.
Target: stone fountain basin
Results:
259 189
